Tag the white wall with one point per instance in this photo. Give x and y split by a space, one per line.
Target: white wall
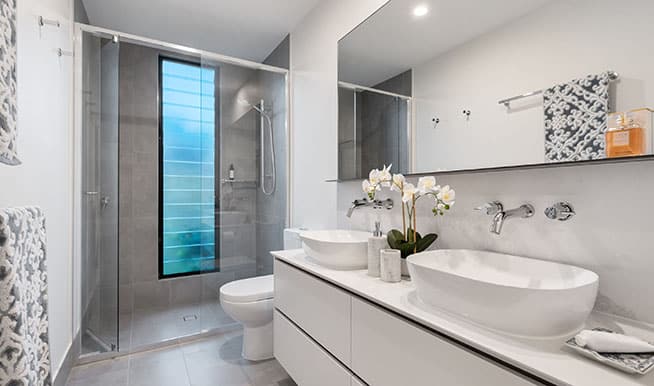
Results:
609 235
44 147
562 41
314 54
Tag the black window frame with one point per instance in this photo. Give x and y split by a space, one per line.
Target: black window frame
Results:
198 63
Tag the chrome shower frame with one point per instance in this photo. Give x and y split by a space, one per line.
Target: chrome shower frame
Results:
79 29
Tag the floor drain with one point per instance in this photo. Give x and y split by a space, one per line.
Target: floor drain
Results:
188 318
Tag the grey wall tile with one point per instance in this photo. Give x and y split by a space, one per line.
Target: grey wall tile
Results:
151 294
185 290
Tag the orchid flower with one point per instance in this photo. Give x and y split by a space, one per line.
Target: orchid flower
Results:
447 195
427 185
409 192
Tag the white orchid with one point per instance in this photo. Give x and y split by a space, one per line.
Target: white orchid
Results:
443 200
385 176
409 192
447 195
427 185
373 177
398 182
376 179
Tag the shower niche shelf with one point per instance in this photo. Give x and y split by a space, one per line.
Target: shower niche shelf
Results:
247 183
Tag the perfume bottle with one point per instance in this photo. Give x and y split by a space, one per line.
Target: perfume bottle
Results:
627 139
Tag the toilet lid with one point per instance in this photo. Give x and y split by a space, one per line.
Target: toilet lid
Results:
248 290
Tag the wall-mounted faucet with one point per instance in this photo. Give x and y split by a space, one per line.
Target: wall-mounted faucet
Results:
496 209
376 204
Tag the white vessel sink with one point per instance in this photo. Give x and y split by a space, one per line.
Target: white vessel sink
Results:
512 294
337 249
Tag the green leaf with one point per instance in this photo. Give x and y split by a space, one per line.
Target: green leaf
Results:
426 241
409 237
406 249
395 238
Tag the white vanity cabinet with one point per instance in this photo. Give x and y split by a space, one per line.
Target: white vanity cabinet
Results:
306 362
389 351
327 336
320 309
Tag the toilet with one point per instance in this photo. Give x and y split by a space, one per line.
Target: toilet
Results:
250 302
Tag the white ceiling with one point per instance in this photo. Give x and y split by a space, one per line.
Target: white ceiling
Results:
393 40
247 29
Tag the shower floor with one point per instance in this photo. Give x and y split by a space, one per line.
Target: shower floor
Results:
152 326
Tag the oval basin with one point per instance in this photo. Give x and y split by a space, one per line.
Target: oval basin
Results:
512 294
337 249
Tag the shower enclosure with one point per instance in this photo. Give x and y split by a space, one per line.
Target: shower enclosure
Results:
374 129
184 180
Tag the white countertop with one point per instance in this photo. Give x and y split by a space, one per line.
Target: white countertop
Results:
547 359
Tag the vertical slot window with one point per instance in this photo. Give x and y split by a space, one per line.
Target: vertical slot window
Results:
188 164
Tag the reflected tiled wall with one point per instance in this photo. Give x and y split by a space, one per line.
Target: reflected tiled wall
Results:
372 128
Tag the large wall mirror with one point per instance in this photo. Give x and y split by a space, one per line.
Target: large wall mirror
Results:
440 85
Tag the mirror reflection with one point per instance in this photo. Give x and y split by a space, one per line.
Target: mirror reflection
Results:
445 86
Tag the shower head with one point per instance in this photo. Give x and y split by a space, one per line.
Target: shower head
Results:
259 107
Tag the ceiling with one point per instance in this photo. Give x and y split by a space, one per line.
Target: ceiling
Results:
393 40
247 29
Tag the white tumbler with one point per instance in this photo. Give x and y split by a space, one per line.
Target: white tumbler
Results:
390 269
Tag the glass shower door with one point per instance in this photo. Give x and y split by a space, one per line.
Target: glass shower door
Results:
99 293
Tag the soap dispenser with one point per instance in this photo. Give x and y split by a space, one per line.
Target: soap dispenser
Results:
376 243
232 172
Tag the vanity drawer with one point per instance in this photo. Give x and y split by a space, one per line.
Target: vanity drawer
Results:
387 350
305 361
320 309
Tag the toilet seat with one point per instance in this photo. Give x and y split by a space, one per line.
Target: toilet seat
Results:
249 290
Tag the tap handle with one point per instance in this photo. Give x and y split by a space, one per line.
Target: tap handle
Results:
491 208
561 211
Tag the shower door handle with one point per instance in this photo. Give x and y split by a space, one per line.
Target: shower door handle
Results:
105 201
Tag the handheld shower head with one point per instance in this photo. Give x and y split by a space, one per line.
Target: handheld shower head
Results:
265 118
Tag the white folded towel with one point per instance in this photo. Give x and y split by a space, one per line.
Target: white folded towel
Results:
608 342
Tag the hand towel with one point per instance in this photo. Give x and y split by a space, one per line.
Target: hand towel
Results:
609 342
24 343
576 119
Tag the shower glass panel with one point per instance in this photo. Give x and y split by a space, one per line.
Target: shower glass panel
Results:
99 292
250 161
199 148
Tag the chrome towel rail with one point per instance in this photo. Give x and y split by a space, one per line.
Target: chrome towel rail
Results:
507 102
43 22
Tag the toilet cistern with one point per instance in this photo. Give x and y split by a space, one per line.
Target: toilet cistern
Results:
496 209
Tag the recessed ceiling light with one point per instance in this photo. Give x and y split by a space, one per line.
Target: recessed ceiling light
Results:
420 10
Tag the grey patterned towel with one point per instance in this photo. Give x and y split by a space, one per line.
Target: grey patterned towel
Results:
576 119
24 346
8 102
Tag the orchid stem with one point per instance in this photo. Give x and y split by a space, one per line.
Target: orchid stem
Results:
403 220
415 224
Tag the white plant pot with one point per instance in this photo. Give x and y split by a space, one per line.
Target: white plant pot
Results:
405 270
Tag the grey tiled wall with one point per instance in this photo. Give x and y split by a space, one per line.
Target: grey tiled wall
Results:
141 291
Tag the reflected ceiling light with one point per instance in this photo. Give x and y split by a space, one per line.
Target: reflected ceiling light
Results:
420 10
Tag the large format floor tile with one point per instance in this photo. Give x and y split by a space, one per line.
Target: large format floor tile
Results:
211 361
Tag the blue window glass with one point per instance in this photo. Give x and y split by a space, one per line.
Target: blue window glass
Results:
188 168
